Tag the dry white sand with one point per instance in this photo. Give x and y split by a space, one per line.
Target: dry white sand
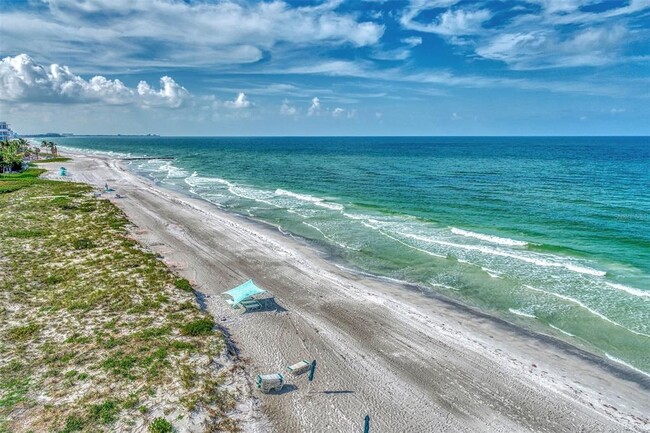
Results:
414 363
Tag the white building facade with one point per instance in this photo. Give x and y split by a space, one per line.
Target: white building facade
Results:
5 132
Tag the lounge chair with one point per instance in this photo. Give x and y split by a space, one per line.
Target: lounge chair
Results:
299 368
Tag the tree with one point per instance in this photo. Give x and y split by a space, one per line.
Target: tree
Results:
50 145
12 154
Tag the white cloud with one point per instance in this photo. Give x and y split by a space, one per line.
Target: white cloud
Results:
170 93
240 102
412 41
338 112
141 33
24 80
288 110
451 22
401 53
557 34
314 108
544 49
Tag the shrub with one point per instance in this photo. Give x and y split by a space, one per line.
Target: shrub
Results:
24 234
198 327
83 244
53 279
183 284
23 332
63 203
105 412
73 423
57 159
161 425
120 365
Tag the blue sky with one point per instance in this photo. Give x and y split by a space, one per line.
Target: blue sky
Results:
359 67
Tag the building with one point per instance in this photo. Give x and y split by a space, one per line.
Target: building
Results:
5 132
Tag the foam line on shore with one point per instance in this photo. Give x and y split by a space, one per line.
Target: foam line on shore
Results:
489 238
582 305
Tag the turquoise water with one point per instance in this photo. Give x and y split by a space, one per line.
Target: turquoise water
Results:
550 233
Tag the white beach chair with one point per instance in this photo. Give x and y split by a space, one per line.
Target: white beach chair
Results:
299 368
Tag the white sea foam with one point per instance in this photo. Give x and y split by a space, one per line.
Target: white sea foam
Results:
444 286
255 194
310 199
355 216
582 305
488 238
407 245
328 237
522 313
620 361
561 330
534 259
630 290
109 153
173 172
370 226
491 272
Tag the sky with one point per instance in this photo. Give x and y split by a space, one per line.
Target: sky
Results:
314 67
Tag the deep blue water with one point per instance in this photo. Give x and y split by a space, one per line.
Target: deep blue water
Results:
552 233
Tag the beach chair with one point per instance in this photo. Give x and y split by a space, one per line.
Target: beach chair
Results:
299 368
269 382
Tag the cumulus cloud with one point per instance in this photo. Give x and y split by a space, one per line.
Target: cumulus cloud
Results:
24 80
155 33
342 112
288 110
240 102
314 108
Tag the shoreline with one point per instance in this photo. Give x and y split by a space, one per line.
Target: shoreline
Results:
534 328
394 336
614 365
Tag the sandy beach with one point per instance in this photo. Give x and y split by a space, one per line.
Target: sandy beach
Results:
413 362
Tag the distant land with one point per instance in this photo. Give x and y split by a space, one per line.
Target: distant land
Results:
69 134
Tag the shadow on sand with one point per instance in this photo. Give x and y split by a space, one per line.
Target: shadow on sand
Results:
286 389
268 304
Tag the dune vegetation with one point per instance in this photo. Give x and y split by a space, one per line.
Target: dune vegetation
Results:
96 334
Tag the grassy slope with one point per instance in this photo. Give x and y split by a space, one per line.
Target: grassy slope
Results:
95 333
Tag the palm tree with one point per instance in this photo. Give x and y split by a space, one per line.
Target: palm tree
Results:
50 145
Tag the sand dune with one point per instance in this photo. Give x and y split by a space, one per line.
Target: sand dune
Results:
414 363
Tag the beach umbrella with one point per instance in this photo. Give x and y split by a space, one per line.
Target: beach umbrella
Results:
312 370
366 424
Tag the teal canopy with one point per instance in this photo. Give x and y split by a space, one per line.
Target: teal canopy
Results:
243 292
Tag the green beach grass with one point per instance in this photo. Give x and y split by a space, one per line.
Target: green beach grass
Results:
55 159
96 334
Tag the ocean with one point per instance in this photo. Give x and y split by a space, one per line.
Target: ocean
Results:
551 233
